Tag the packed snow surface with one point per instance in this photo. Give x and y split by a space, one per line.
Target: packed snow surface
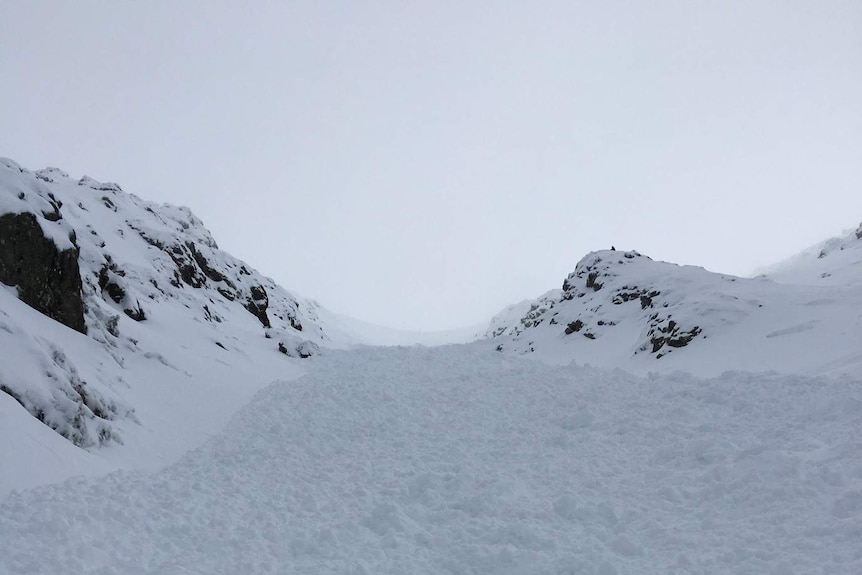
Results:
461 460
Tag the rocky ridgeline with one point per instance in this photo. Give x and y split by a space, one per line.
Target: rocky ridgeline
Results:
661 306
93 257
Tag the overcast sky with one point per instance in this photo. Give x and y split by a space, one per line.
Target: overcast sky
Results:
424 164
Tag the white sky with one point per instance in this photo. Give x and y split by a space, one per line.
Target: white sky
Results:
424 164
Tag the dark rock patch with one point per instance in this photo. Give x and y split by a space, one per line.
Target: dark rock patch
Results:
575 326
671 335
257 304
592 282
203 264
109 204
48 279
136 313
227 294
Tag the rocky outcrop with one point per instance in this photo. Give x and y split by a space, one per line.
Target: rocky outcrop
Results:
98 259
48 279
257 303
652 308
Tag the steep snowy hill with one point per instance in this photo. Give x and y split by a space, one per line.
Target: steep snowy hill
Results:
127 327
622 309
834 262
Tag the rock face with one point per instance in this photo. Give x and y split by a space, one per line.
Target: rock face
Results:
48 278
257 303
624 304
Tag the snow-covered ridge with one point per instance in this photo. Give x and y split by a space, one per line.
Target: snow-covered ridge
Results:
834 262
623 309
609 288
104 262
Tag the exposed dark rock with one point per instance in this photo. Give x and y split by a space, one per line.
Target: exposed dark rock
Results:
202 262
227 294
575 326
48 278
53 215
258 303
146 237
186 266
111 287
109 204
534 317
592 283
135 313
671 335
301 349
625 296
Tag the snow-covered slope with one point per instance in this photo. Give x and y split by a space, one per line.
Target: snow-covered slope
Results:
622 309
834 262
459 460
149 336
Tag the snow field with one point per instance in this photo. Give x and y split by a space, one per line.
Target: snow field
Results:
460 460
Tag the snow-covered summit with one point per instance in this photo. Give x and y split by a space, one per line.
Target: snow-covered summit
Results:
623 309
